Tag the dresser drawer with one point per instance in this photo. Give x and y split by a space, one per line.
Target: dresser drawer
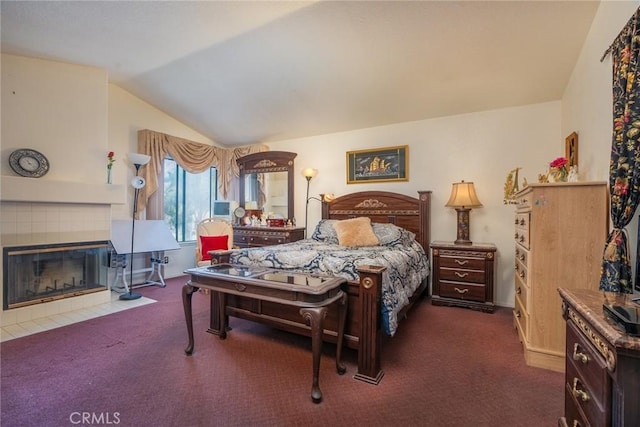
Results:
521 292
239 239
522 220
521 273
587 366
462 263
462 291
521 318
265 236
521 237
523 201
522 255
267 240
462 275
585 397
573 417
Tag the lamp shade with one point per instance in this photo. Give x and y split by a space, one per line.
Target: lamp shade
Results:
309 173
328 197
139 159
463 194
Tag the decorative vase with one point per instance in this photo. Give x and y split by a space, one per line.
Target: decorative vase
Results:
558 174
108 175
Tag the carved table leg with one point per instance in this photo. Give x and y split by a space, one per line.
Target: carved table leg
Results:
315 317
223 318
342 314
187 294
218 321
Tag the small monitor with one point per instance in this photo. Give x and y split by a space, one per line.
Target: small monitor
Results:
223 208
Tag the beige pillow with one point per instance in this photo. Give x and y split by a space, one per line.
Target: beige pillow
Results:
355 232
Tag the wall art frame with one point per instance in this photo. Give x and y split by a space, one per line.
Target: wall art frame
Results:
571 149
387 164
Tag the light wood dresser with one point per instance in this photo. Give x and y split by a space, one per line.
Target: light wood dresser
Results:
560 232
602 380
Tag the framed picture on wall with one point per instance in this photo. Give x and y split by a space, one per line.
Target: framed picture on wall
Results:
571 149
378 165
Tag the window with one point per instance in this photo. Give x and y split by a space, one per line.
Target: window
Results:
188 198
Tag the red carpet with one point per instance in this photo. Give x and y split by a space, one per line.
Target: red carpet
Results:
445 367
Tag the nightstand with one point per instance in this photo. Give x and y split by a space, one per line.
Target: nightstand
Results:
463 275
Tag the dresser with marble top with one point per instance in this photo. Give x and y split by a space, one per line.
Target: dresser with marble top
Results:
602 376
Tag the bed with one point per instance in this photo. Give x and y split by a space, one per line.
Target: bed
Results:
383 281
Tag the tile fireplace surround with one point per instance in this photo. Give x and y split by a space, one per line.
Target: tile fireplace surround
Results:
79 213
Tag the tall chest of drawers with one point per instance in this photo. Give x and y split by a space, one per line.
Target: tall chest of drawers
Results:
560 232
602 379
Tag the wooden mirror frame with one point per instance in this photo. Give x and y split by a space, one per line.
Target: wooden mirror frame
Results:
265 162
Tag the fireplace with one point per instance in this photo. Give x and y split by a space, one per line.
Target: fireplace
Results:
42 273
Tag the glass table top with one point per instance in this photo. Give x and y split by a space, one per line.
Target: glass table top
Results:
234 270
263 273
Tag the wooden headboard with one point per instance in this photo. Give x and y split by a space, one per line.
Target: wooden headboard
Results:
410 213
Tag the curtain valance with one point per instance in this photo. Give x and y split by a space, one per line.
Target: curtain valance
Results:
193 156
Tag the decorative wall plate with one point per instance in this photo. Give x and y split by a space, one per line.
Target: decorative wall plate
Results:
29 163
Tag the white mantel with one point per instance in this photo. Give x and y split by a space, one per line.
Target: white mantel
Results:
21 189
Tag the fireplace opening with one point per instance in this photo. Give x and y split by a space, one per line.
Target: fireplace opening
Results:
43 273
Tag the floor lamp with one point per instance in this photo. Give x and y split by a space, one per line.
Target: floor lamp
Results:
308 173
138 183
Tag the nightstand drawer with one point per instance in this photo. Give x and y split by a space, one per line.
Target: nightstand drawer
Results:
462 263
461 275
462 291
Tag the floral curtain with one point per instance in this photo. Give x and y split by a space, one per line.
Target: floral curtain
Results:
624 167
193 156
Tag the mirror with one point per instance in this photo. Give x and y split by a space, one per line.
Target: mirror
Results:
267 192
266 183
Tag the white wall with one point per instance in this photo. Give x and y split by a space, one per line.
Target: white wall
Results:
480 147
58 109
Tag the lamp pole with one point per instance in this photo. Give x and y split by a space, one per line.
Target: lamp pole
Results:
308 173
137 183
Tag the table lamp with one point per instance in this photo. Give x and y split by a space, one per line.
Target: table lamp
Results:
463 198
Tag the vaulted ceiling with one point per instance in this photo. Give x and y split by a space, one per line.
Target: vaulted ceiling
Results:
243 72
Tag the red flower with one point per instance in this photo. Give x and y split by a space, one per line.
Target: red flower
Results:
110 159
560 162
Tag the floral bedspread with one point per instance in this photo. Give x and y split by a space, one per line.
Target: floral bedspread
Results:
407 266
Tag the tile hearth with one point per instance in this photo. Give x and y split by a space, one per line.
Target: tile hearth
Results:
24 329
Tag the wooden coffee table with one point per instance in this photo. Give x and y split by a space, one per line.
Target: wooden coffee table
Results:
312 294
